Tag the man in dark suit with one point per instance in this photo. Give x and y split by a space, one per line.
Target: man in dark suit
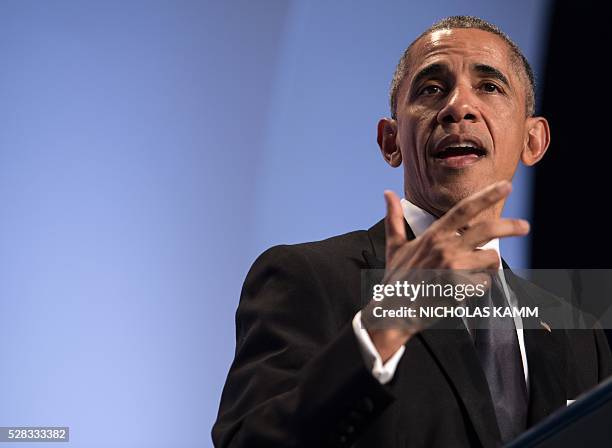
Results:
313 367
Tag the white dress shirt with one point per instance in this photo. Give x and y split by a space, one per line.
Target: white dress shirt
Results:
419 220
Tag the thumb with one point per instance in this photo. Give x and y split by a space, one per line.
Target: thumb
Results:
395 228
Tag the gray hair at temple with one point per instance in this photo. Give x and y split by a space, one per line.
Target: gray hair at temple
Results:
454 22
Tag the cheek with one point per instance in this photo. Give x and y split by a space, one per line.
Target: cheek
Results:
416 133
504 108
508 147
506 126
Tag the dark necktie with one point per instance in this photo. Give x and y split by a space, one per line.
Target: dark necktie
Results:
497 346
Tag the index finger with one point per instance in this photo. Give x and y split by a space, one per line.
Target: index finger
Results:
465 210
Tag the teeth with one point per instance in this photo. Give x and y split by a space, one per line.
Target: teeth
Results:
462 146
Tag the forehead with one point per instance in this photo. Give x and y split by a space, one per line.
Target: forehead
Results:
461 45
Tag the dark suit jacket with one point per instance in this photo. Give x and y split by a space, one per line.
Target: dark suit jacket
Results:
299 379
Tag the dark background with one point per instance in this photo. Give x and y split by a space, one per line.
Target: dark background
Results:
571 226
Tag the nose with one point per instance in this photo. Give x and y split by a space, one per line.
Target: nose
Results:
460 105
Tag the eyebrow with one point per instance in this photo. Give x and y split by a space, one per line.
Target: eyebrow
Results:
492 72
428 72
433 70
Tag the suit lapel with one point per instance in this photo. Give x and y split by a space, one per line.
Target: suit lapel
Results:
546 356
454 352
547 369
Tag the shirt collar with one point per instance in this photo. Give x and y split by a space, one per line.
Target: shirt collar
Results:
419 220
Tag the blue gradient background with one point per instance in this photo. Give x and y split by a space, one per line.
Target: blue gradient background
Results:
149 151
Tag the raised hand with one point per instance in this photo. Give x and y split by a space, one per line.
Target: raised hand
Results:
450 243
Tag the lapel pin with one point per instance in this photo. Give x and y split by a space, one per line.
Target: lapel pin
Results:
545 325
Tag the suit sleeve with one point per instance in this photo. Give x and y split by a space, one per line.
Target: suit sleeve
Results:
298 377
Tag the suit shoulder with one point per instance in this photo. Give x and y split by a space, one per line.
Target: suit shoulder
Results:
347 245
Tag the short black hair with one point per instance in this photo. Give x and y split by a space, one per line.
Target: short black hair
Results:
455 22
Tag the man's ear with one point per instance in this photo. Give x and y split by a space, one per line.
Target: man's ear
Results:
387 140
537 140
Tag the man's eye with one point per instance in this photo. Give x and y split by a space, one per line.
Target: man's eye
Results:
430 90
490 87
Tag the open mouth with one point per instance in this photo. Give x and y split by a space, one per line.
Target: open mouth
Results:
457 155
464 150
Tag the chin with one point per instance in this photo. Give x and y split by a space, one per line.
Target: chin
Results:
446 195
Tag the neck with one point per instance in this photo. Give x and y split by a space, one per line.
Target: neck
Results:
490 213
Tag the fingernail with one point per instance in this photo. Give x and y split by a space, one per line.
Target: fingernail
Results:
524 224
